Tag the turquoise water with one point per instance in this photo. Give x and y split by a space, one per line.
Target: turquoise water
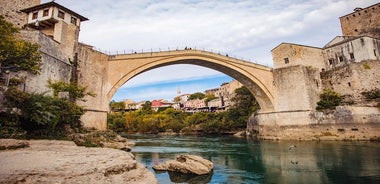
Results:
245 161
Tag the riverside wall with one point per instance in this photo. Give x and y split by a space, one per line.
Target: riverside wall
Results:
55 63
356 119
344 123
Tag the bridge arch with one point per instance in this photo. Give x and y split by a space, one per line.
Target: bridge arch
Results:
257 78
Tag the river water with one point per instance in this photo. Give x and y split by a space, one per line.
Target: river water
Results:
246 161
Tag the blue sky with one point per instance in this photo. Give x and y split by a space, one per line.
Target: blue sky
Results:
168 89
246 29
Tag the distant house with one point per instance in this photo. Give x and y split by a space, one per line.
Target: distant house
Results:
156 104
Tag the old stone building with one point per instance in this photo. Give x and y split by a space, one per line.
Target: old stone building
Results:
289 54
57 22
348 64
350 49
214 92
298 68
363 21
56 35
227 92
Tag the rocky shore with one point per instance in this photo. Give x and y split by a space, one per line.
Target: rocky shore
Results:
51 161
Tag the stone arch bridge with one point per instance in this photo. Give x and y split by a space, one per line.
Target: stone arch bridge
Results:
105 74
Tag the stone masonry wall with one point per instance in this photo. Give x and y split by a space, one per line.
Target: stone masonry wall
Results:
296 87
55 64
287 54
10 9
91 69
351 80
357 121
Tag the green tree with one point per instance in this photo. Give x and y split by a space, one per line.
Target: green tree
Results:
117 106
196 118
131 121
41 114
197 95
244 105
329 99
176 119
146 108
116 122
245 101
209 98
16 54
75 91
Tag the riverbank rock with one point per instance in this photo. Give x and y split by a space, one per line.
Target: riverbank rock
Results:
187 164
240 134
10 144
50 161
105 139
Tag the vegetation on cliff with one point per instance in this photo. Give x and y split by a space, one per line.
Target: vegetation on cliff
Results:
145 120
372 95
16 54
329 99
40 115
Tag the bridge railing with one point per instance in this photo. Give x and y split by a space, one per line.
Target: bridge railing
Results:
174 49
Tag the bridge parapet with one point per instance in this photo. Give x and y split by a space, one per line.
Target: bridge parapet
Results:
171 53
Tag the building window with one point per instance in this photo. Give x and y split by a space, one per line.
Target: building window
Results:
331 61
341 58
73 20
35 15
61 14
374 52
352 56
46 12
286 60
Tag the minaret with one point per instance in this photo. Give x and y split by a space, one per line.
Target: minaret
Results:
179 91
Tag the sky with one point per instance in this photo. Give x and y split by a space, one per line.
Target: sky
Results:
245 29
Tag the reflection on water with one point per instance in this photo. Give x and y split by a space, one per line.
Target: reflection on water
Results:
242 161
189 178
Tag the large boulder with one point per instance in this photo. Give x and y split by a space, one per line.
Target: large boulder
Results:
105 139
7 144
187 164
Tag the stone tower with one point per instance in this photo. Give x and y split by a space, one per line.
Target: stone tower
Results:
57 22
363 21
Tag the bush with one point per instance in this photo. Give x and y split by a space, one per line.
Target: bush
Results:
40 115
372 94
329 100
116 122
